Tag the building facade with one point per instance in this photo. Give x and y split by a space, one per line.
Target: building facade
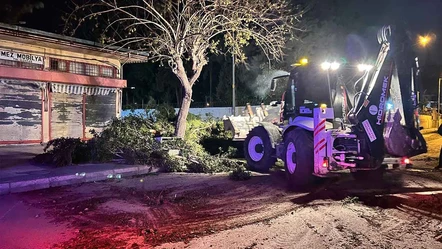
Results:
54 86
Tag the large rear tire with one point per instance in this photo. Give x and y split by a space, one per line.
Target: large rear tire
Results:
299 158
258 150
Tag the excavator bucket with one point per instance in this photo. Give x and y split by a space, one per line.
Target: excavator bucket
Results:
402 141
402 136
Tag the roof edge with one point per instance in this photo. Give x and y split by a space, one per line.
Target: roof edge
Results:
122 51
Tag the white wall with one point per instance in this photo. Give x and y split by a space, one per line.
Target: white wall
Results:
216 112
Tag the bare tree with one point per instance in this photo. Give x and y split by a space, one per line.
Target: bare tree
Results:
182 32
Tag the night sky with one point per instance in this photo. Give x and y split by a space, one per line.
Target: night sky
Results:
359 18
419 16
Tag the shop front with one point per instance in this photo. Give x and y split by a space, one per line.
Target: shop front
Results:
53 86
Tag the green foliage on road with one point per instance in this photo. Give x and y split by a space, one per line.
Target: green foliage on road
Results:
205 149
240 173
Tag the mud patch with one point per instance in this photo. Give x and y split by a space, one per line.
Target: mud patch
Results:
179 208
158 215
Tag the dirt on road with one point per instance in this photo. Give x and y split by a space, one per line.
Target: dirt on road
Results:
211 211
434 143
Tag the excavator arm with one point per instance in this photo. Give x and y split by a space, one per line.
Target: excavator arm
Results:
385 107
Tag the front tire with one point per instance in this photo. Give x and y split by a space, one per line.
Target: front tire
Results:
299 158
258 150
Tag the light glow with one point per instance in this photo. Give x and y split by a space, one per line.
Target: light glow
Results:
424 40
330 66
304 61
325 163
364 67
325 65
335 66
301 62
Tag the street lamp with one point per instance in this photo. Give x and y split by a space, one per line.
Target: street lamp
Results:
424 40
133 95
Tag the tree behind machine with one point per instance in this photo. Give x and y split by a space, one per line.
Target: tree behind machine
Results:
182 33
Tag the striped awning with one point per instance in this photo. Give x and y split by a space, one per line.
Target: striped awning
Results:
78 89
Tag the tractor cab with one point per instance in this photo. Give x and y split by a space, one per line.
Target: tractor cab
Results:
304 89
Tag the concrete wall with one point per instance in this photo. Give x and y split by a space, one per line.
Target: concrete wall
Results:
216 112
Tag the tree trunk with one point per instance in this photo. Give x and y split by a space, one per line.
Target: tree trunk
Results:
180 128
187 84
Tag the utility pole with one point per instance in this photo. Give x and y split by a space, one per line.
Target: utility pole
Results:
233 86
127 98
438 101
210 83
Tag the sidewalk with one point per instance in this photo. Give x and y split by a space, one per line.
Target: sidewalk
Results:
16 155
18 174
28 177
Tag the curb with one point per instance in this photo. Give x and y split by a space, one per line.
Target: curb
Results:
45 182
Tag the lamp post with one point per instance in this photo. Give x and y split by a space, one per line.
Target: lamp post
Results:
425 41
233 86
438 100
133 95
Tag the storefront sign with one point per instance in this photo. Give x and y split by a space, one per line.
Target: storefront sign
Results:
23 57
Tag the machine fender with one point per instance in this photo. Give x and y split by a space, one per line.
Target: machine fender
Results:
274 133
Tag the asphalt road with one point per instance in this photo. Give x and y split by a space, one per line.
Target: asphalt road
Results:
210 211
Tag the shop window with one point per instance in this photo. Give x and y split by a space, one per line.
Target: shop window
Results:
91 70
9 63
58 65
107 72
76 67
82 68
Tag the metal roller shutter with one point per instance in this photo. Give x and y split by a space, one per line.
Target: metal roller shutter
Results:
100 110
66 115
20 112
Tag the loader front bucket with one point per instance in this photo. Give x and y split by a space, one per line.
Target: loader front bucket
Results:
403 141
239 126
